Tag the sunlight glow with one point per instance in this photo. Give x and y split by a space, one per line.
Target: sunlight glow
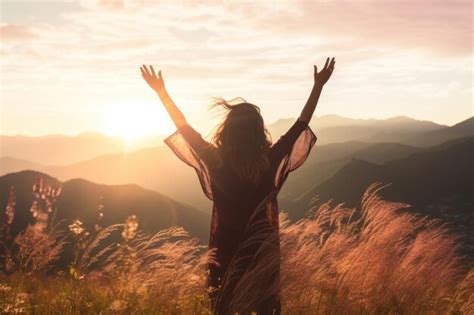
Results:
133 121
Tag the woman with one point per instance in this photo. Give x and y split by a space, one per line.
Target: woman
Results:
242 173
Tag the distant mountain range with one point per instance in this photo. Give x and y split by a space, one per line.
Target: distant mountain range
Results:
429 166
79 199
327 159
334 128
153 167
62 150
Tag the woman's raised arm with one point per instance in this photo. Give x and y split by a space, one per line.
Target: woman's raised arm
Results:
320 78
158 85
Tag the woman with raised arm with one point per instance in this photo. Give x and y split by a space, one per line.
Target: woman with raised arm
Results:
242 173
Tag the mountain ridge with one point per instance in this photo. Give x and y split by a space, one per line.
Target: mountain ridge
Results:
80 199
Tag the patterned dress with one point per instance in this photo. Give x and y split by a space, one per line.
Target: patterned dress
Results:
244 223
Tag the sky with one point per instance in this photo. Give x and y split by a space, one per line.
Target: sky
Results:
73 66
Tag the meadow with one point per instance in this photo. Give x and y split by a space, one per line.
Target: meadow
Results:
371 259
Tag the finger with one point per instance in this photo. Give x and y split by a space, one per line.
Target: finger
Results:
326 64
333 61
315 69
146 70
152 71
159 75
143 73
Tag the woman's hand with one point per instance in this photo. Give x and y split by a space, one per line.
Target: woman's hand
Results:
155 82
321 77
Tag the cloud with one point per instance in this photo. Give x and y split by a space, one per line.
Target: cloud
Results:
13 32
262 49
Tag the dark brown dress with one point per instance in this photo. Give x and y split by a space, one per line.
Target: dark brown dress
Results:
244 224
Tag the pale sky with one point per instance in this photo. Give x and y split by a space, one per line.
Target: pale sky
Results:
73 66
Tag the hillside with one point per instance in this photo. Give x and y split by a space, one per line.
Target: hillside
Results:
336 129
80 199
423 177
438 182
63 150
325 160
152 168
460 130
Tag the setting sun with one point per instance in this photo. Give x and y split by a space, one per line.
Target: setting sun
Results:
132 121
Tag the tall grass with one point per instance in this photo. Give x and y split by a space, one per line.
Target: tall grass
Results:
376 259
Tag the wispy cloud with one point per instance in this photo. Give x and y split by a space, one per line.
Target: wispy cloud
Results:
391 55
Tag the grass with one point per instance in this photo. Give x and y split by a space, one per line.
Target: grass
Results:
375 259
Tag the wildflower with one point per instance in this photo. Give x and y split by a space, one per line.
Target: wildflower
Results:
76 227
130 228
45 199
34 209
100 214
10 210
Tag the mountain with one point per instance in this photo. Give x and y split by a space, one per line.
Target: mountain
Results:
420 178
437 182
79 198
463 129
65 150
150 168
159 169
58 149
334 128
153 168
62 150
12 165
325 160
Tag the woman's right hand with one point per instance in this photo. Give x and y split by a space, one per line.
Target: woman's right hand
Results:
321 77
155 82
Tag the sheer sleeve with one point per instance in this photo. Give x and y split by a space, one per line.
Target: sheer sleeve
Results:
193 150
291 150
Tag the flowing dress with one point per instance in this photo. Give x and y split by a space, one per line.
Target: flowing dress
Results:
244 223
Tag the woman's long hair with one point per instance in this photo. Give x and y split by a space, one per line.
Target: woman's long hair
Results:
242 140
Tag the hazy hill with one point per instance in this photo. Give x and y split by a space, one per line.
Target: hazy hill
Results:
158 168
61 149
58 149
155 167
325 160
463 129
334 128
405 130
438 182
12 165
80 199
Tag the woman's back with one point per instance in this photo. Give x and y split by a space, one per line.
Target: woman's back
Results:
242 210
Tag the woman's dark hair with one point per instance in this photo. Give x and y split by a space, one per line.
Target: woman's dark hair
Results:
242 140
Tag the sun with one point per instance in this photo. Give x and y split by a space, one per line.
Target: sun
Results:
133 121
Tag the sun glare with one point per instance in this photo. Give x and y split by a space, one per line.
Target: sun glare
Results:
133 121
